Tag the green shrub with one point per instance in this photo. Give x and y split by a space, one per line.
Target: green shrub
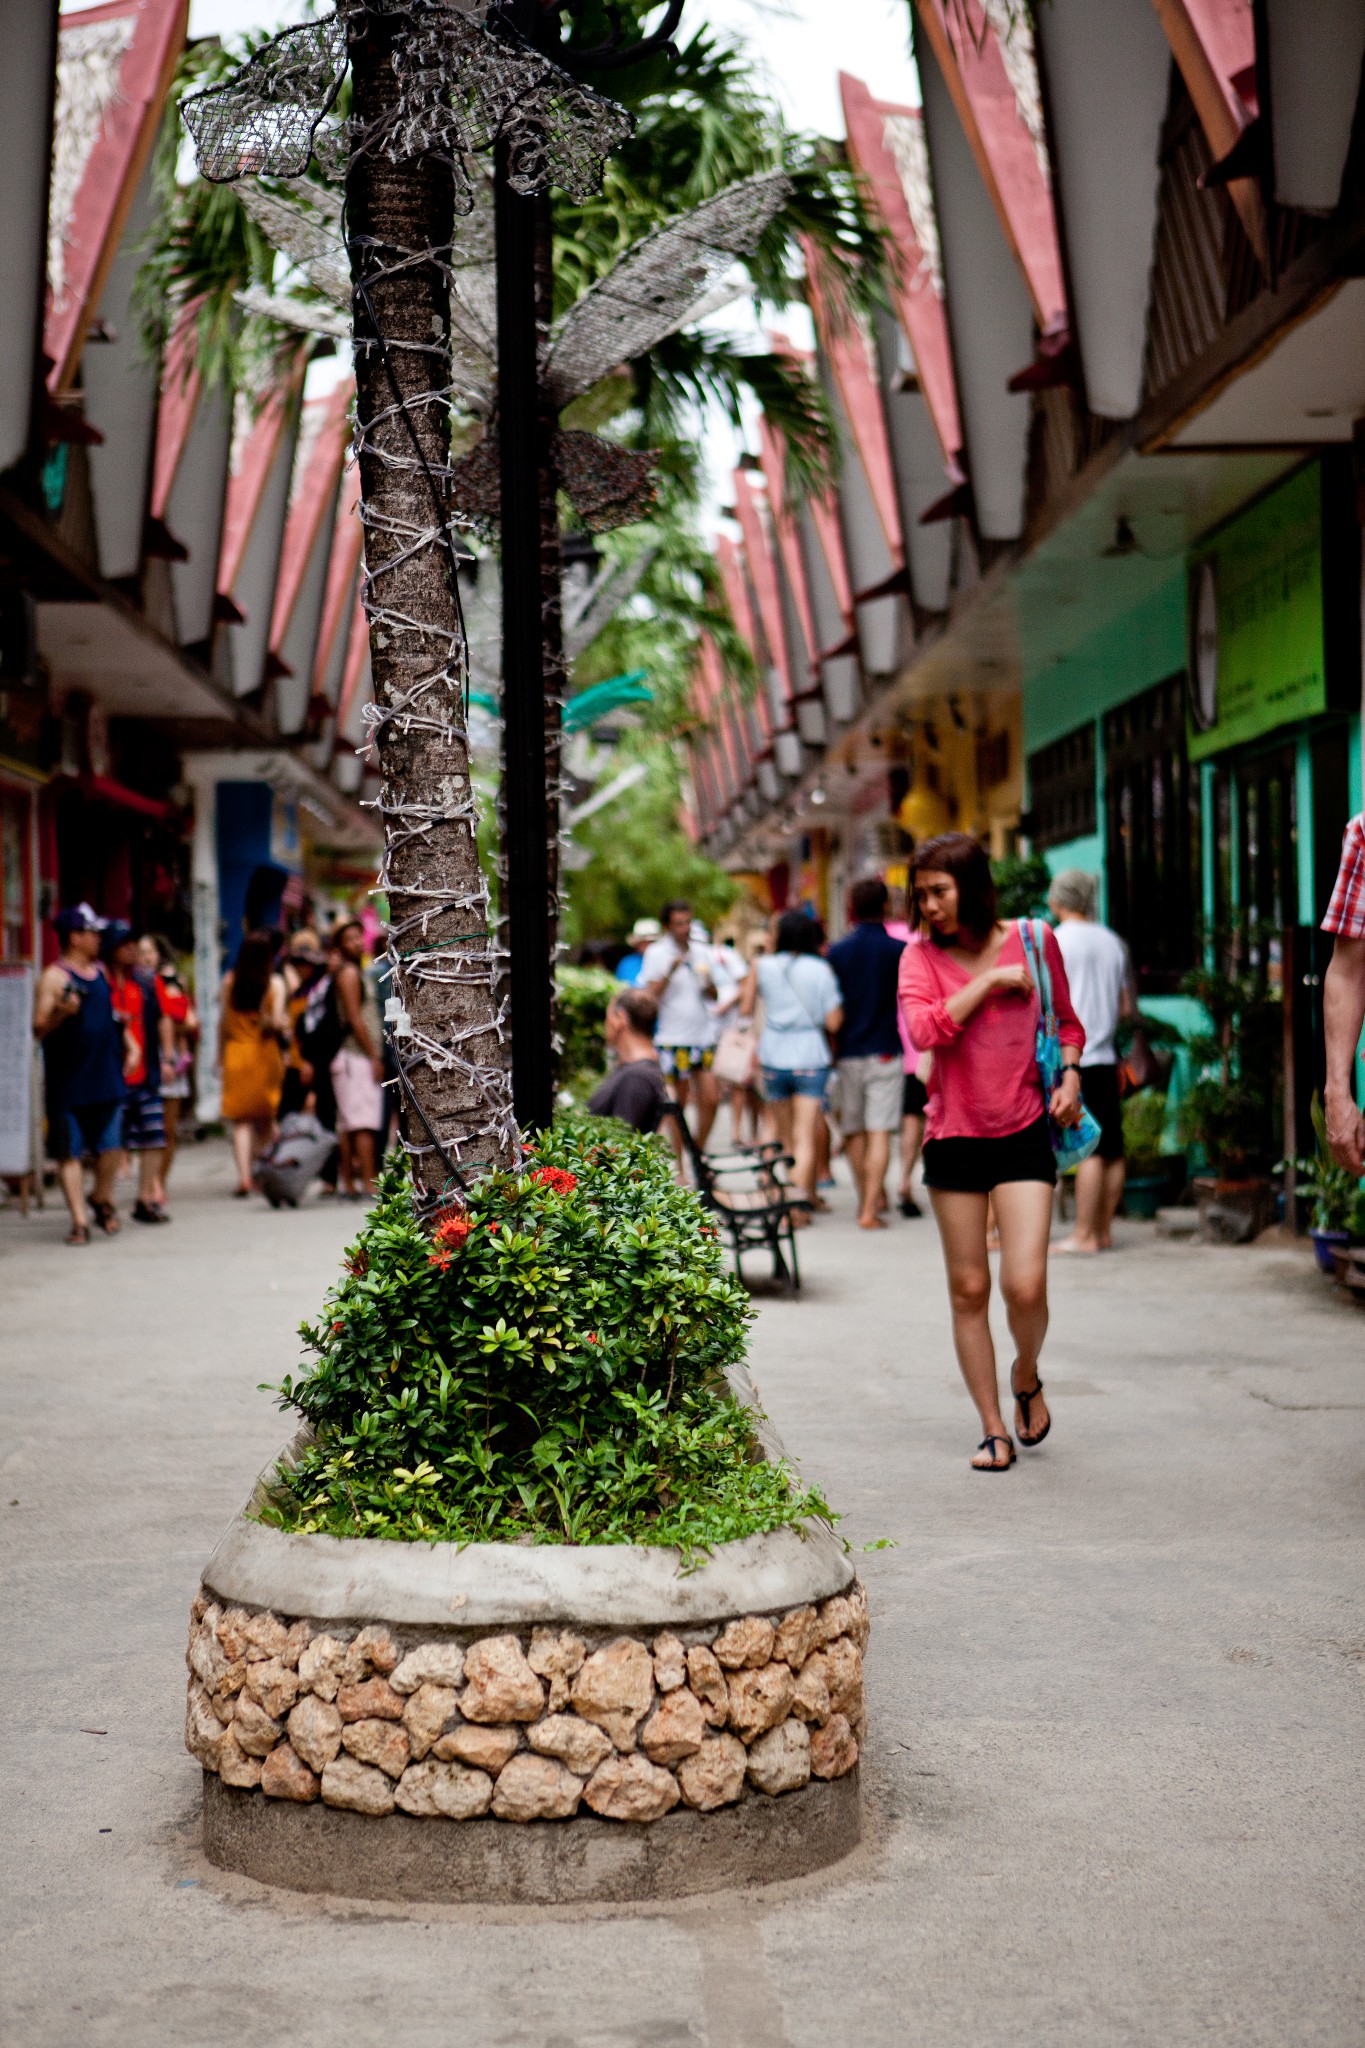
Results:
1021 884
581 998
1333 1190
550 1366
1144 1125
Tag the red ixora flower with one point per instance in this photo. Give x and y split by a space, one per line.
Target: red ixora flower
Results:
453 1231
555 1178
440 1260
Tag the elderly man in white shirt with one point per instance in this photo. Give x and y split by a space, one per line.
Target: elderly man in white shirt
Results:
1099 975
678 973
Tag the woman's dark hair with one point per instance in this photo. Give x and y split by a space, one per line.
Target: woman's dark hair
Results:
966 860
251 975
799 932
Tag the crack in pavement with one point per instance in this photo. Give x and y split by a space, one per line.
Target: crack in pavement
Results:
1308 1407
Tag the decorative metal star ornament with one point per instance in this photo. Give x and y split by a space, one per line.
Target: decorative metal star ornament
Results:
468 82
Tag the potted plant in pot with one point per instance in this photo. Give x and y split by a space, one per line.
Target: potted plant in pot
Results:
1152 1173
1333 1194
1229 1112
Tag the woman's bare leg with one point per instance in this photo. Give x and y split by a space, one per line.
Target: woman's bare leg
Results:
912 1137
242 1153
777 1118
170 1109
962 1228
1024 1212
807 1118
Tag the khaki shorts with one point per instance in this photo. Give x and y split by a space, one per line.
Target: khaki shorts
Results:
869 1094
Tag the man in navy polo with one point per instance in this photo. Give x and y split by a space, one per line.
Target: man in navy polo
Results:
867 964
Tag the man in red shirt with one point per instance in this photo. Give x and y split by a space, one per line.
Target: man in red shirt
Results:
146 1036
1343 1004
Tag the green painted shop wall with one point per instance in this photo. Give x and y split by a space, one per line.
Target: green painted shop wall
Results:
1132 653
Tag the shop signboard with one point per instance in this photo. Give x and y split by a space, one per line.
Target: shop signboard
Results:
1258 643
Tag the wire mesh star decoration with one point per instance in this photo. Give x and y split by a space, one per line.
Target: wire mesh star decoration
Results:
468 82
663 282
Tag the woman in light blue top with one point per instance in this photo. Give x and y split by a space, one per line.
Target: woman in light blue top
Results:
800 1006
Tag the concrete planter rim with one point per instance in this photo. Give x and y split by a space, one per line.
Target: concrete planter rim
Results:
494 1585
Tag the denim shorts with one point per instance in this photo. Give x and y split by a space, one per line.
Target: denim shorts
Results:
781 1083
94 1127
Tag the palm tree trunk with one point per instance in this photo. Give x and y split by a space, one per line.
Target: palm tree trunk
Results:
456 1100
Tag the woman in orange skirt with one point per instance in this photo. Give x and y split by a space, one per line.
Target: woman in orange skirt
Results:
254 1025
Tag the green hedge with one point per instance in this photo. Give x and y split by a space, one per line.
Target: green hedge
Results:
581 998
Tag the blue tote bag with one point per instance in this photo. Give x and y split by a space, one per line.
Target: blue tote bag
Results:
1078 1140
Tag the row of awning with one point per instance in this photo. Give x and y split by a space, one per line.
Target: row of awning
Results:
1121 230
214 586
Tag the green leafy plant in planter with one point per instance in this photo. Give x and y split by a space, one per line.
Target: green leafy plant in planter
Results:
547 1366
1230 1107
1337 1209
1152 1173
1144 1125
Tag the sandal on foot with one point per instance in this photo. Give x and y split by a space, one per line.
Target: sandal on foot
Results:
1022 1402
995 1465
79 1233
106 1215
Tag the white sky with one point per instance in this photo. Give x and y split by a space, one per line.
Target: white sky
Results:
800 47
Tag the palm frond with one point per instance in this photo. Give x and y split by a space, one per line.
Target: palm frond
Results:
692 370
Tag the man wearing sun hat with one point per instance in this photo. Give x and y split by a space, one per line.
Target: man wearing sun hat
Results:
643 933
74 1021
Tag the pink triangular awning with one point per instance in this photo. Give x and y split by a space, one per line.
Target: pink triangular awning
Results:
848 351
347 548
763 576
175 412
249 478
773 456
1009 149
887 146
1214 44
124 54
313 502
823 513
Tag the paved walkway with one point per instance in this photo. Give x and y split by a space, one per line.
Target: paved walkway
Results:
1114 1788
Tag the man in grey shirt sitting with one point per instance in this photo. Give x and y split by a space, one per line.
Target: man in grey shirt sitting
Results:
634 1090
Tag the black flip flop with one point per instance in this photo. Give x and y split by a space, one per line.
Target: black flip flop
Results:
1029 1443
984 1443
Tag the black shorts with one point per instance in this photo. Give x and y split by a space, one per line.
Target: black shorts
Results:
973 1166
914 1096
1100 1094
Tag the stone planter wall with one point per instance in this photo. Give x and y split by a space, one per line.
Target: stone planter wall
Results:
525 1725
517 1723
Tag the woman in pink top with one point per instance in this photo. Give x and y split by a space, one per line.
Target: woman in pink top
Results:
968 996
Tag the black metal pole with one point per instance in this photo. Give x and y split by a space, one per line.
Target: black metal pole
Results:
520 431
